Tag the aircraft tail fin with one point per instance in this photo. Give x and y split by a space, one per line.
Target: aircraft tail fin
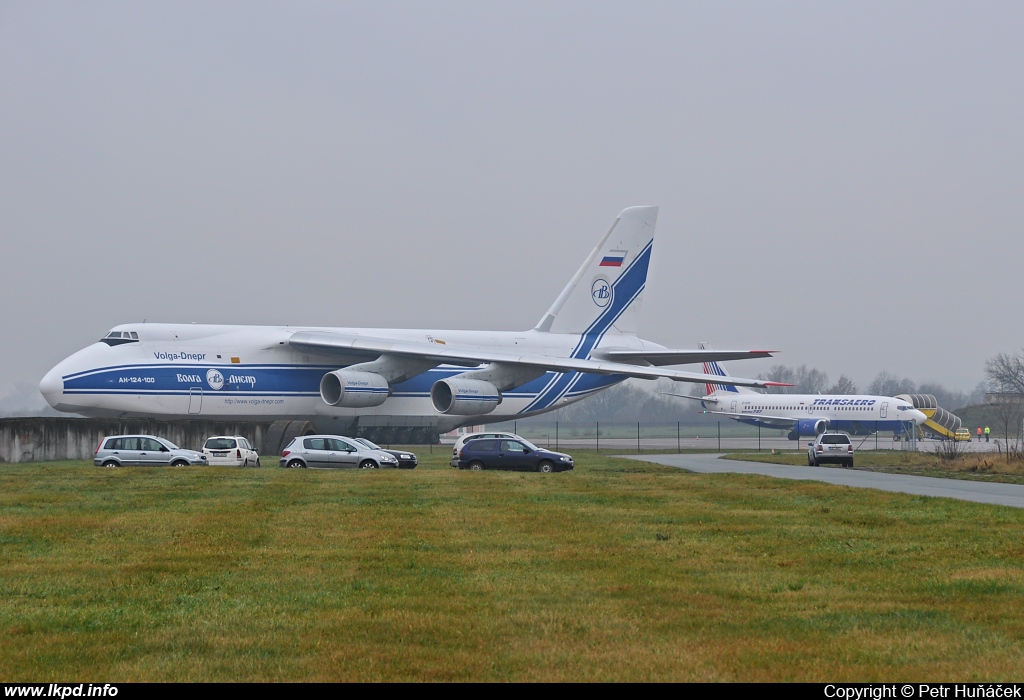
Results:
604 295
716 368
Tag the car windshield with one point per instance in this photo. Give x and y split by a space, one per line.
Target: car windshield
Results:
835 440
171 446
368 443
220 444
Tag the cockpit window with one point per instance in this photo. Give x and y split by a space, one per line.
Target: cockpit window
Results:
120 338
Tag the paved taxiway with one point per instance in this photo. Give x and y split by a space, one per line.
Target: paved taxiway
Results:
978 491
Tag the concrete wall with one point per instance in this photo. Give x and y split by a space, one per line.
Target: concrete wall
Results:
48 439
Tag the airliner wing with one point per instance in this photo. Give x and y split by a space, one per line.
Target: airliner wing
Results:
349 345
783 421
680 357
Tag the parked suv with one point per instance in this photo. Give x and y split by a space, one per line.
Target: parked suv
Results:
333 452
230 451
143 451
836 448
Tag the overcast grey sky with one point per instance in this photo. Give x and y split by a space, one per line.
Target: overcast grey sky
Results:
363 163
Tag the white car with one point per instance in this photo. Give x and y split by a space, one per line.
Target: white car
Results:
492 436
230 451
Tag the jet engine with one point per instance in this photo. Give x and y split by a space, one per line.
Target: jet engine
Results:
809 426
353 389
458 396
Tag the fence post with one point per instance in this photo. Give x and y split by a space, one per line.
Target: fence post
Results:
758 437
556 435
597 436
876 436
719 436
678 448
638 437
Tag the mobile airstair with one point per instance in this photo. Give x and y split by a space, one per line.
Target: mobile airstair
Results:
940 421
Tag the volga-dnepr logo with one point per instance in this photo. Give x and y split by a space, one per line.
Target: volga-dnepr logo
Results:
215 379
601 292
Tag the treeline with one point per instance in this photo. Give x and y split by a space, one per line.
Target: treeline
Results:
810 380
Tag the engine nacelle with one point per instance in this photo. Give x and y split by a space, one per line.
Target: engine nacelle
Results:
459 396
811 426
353 389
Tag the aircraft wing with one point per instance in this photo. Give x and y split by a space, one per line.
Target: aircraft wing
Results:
371 348
680 357
783 421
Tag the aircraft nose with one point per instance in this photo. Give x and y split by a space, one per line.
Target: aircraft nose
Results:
52 387
919 417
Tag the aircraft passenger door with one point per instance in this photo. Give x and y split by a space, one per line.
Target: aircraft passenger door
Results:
195 400
885 408
732 407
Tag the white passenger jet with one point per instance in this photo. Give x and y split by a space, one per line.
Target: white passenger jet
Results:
347 378
805 414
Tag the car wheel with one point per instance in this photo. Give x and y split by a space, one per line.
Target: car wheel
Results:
179 463
849 463
367 464
258 463
545 467
296 464
814 462
111 464
476 466
810 462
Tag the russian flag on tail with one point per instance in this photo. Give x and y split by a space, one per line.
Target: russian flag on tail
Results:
613 259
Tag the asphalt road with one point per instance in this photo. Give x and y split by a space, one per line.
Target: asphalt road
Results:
981 492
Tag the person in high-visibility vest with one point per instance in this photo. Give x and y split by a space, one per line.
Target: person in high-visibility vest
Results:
979 433
987 431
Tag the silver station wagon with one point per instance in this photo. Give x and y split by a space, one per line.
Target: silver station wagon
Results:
143 451
333 452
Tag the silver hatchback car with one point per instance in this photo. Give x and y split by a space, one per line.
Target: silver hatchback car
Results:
333 452
144 451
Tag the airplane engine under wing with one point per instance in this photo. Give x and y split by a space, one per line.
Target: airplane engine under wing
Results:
353 389
458 396
812 426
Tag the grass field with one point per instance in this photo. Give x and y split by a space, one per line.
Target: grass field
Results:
616 571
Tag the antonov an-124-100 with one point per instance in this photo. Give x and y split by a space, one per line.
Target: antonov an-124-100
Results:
348 378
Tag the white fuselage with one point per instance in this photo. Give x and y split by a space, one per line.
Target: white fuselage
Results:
842 412
251 372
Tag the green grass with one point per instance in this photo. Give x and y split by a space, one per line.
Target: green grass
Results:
616 571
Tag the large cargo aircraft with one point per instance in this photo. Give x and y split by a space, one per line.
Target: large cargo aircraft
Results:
806 414
349 378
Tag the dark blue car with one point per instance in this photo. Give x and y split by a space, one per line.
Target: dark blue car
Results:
516 455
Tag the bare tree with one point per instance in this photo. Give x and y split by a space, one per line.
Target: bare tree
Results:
947 398
843 385
1006 373
886 384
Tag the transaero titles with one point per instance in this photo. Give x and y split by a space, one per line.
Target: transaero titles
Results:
843 402
923 690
